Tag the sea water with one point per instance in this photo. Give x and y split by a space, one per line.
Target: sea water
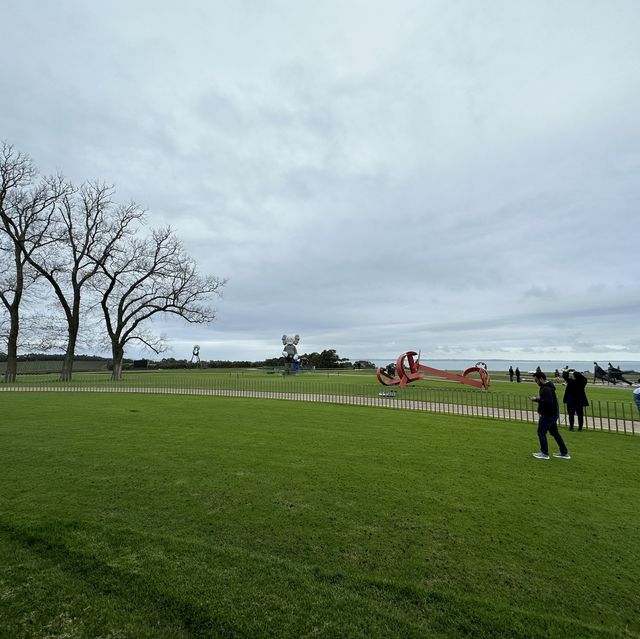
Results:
525 366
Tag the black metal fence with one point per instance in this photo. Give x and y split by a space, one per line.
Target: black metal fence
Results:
613 416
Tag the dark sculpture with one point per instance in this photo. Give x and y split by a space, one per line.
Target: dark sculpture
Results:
612 375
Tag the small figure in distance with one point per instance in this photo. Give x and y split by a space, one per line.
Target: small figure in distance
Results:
575 396
510 373
517 375
557 376
548 411
636 394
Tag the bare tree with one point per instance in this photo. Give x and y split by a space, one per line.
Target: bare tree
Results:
67 236
41 325
26 213
87 228
144 277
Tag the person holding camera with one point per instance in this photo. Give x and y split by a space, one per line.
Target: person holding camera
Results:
575 396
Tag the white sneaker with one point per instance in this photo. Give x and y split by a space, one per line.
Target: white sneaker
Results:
540 455
561 456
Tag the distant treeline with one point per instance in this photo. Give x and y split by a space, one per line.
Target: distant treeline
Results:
326 359
48 357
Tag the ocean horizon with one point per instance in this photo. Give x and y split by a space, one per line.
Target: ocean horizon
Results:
525 365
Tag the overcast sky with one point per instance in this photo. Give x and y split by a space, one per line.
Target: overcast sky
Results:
457 177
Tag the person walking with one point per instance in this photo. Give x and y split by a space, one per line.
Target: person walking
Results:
548 412
510 373
575 396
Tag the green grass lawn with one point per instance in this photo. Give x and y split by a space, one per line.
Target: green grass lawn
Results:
162 516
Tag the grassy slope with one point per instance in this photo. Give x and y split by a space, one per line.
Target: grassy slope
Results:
155 516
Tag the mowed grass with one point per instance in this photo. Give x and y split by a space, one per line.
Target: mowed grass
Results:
163 516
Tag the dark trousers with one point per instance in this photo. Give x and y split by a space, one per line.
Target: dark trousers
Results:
574 410
550 425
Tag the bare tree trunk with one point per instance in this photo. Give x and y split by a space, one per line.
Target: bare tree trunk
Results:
118 359
67 364
12 346
13 308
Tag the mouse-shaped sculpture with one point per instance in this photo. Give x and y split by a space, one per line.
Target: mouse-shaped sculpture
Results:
290 353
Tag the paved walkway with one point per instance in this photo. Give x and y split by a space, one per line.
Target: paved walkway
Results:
628 426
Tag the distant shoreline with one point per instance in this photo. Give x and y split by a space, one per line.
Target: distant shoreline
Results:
525 365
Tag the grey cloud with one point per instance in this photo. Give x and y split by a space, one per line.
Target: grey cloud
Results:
542 293
367 197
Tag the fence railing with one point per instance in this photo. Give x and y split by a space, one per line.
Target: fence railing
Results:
614 416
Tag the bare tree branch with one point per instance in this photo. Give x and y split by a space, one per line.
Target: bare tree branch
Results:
26 210
86 229
146 277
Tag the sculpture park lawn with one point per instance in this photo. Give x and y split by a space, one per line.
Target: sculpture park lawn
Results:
164 516
335 381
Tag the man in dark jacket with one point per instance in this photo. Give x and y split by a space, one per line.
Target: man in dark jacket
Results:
548 411
574 396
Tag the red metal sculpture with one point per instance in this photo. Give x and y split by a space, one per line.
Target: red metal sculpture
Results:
417 371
